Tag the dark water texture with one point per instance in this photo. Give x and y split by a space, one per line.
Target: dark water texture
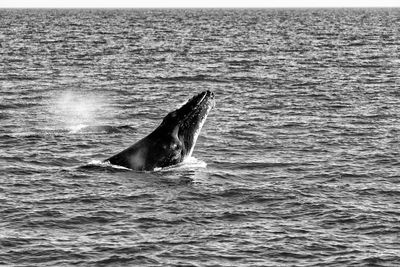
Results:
302 148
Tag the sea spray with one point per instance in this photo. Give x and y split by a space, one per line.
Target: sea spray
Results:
74 110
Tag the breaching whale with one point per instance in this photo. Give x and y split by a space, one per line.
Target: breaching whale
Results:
172 141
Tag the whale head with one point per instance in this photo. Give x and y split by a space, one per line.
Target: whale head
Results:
185 123
172 141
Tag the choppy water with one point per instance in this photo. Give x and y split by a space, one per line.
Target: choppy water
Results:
297 165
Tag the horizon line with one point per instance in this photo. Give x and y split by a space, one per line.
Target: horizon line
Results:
222 7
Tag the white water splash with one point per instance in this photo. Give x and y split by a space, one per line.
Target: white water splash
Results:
194 162
187 163
77 128
101 163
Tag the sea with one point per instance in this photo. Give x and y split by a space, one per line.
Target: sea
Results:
298 163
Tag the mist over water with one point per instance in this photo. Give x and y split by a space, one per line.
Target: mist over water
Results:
296 165
76 110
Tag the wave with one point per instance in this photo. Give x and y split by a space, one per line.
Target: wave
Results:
188 163
93 164
82 128
74 129
194 78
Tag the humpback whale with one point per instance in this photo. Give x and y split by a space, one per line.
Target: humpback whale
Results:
172 141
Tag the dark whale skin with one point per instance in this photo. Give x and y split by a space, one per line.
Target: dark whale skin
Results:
172 141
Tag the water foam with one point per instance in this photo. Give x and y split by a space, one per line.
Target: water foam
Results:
106 164
187 163
76 128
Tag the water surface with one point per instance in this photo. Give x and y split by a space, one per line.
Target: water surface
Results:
297 165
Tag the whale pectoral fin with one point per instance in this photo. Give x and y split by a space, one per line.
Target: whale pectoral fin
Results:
135 161
118 159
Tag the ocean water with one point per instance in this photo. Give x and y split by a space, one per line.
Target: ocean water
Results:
298 164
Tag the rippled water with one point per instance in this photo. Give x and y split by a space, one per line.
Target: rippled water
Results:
298 163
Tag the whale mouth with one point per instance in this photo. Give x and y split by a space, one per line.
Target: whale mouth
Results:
189 119
195 113
197 104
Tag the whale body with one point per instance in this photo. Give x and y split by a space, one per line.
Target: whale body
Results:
172 141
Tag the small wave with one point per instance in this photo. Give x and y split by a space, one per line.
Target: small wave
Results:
76 128
255 165
188 163
103 164
123 260
82 128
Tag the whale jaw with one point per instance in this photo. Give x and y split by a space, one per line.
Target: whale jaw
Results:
191 131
